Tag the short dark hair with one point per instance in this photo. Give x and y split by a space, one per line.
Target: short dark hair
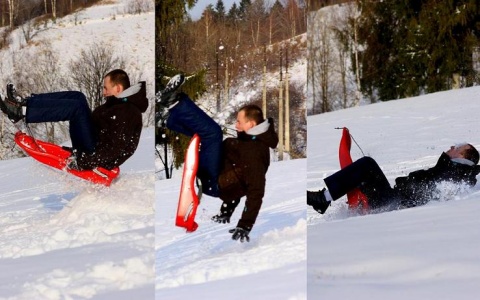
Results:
253 113
471 154
119 76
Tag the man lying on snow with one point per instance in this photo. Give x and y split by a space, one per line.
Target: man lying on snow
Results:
458 166
230 169
106 137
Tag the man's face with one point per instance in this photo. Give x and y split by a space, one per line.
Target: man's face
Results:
457 151
111 89
243 124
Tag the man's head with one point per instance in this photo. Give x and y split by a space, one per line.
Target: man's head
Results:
115 82
248 116
466 151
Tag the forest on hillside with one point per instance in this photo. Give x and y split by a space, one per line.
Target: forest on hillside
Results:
39 54
236 37
224 50
369 51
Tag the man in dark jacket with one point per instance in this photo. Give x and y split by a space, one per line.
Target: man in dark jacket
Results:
458 166
106 137
230 169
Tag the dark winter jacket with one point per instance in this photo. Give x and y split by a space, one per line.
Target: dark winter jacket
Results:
245 163
118 124
419 187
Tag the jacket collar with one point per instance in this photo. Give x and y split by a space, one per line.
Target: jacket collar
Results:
132 90
259 128
463 161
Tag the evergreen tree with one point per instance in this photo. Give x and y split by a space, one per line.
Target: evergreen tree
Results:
169 14
220 11
415 46
233 13
243 8
277 7
450 30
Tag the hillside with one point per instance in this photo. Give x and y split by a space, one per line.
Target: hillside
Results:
210 265
43 64
63 238
427 252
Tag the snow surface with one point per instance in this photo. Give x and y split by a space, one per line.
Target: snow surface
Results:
64 238
208 264
427 252
61 237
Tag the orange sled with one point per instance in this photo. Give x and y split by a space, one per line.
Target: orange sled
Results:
56 157
188 200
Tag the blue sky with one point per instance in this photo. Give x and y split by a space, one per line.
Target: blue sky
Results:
197 10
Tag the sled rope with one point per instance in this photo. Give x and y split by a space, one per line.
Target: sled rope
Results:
352 139
357 144
30 133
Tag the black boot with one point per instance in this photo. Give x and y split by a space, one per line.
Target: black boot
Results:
317 201
12 93
12 105
168 96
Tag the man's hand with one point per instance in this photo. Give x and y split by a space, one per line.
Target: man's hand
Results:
221 219
240 233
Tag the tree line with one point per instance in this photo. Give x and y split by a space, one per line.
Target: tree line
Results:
223 48
391 50
16 12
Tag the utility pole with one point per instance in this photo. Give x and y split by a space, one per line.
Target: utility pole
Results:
280 111
217 84
264 82
226 88
287 105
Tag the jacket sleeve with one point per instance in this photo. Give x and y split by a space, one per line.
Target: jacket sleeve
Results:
255 188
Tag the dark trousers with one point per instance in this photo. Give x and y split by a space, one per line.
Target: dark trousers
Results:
366 175
65 106
187 118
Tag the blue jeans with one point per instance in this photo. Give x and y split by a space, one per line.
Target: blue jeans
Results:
65 106
187 118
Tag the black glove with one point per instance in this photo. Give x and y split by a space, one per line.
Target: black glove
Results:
240 233
221 218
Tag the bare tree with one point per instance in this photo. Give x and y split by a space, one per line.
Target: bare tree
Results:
29 28
12 5
54 9
256 17
39 72
139 6
91 67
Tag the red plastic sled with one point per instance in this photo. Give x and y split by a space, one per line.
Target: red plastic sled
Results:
356 198
188 201
55 156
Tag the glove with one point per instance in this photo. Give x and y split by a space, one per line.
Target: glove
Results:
221 219
240 233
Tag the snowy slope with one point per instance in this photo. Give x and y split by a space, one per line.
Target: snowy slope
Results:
64 238
131 37
428 252
210 265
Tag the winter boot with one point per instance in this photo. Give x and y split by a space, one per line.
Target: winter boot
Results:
168 96
12 106
317 201
12 93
